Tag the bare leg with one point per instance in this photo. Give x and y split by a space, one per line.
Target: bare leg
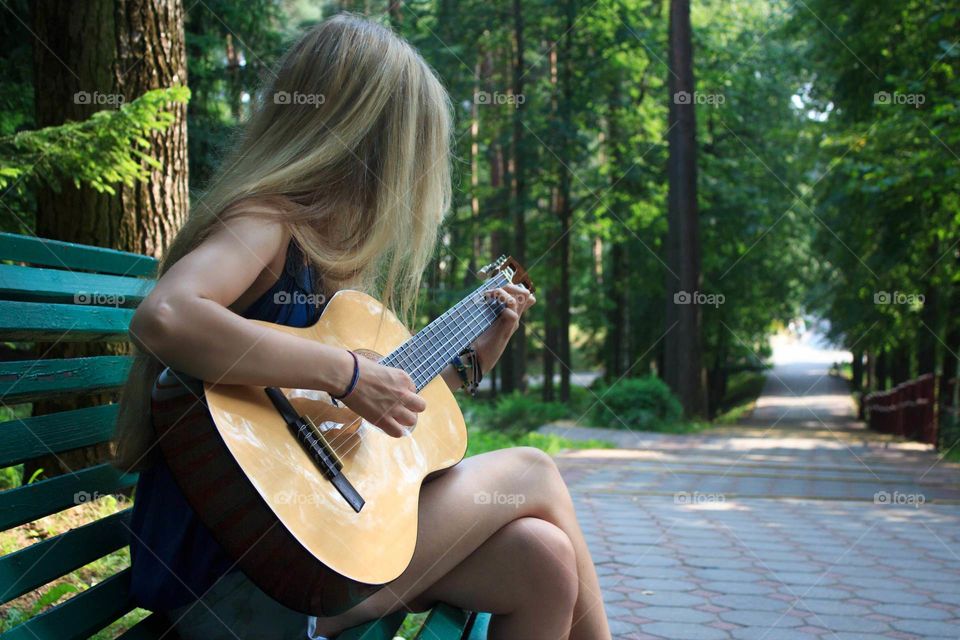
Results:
463 509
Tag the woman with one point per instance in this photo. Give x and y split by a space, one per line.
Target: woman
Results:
340 180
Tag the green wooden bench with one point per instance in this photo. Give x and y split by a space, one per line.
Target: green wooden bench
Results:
76 293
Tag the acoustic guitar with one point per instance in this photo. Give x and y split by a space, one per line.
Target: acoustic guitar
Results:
317 506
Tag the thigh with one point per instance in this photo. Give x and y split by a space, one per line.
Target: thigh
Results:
460 510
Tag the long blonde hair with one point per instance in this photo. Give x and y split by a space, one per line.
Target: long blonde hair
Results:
350 146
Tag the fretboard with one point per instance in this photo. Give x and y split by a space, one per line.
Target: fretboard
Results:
431 349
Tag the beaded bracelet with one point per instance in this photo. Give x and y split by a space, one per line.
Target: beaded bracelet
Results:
353 381
461 370
470 371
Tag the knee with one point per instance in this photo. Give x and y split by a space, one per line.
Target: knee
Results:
547 561
538 474
533 463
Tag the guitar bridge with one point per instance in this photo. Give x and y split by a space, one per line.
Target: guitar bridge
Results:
315 444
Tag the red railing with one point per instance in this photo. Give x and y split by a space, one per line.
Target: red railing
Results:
907 410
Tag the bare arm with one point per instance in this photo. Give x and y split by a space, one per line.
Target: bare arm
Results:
186 323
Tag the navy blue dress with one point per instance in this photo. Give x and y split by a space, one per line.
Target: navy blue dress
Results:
174 557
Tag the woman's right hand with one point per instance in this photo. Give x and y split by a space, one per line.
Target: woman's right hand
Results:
386 397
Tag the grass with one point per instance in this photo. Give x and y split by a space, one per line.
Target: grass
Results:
743 389
484 440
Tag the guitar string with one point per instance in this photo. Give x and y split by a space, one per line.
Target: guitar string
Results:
406 354
463 313
454 342
480 315
444 349
427 349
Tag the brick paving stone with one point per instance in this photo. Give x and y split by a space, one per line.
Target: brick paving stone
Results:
914 612
765 633
668 598
825 593
726 575
889 596
684 631
677 614
751 603
929 627
860 624
768 619
657 584
835 607
750 588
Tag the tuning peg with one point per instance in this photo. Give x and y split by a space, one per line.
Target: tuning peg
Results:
492 268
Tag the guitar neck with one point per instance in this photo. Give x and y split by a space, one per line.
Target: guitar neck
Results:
430 350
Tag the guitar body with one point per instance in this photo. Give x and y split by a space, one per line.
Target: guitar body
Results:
265 500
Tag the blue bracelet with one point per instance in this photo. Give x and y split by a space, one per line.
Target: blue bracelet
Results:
353 381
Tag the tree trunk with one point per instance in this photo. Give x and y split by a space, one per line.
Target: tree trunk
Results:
683 369
496 240
900 364
395 11
857 370
89 56
615 286
883 358
517 348
928 336
117 48
564 208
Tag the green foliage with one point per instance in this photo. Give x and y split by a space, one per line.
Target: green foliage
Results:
642 404
743 389
15 616
108 148
515 412
10 477
483 440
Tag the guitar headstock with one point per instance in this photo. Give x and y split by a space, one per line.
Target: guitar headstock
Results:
511 268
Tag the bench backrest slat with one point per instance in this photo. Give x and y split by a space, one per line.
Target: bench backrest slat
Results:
44 561
38 322
74 287
81 615
67 255
32 501
27 380
26 438
59 292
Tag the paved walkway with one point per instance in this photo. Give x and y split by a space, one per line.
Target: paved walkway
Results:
797 524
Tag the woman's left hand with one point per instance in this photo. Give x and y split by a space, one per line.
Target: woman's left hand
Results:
491 343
